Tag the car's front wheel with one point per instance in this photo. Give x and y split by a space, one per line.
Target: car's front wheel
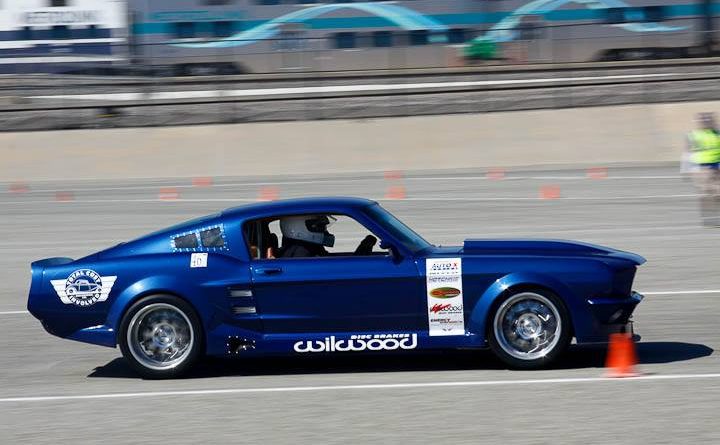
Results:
161 336
529 329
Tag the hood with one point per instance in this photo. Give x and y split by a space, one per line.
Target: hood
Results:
539 247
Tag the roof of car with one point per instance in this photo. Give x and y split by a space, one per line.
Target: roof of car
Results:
299 205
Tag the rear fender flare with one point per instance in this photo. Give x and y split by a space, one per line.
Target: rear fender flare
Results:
161 284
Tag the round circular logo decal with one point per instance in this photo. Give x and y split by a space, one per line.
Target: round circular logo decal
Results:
83 287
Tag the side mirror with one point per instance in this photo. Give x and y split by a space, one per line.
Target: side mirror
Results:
394 251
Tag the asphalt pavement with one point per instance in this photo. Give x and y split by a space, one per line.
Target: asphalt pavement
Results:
58 391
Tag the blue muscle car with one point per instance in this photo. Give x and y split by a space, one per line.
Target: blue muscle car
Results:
331 276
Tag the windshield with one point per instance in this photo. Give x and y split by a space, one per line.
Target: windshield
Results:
411 240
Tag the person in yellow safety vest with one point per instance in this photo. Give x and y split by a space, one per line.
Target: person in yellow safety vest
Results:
704 144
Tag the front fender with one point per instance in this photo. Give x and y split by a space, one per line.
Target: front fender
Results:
480 313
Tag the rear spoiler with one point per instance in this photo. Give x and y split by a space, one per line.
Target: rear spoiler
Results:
38 269
56 261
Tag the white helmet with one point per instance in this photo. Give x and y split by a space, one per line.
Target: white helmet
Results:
310 228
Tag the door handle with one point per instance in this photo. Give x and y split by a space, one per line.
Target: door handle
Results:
269 270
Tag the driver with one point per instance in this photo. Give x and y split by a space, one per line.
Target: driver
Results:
306 236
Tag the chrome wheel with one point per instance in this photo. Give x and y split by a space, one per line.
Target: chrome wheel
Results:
160 336
527 326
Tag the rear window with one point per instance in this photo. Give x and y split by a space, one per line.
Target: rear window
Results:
188 241
212 238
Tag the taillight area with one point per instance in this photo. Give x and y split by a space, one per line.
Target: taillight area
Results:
36 272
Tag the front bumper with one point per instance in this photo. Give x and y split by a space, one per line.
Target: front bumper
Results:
612 315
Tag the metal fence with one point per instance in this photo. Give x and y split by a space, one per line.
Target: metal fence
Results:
90 102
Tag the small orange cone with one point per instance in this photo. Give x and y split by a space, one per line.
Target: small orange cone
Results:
18 187
550 192
64 196
391 175
495 174
269 193
597 172
202 181
168 194
395 192
621 357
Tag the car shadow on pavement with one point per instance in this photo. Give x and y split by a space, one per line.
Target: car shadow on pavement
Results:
578 357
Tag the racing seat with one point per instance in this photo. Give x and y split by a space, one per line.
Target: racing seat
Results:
269 242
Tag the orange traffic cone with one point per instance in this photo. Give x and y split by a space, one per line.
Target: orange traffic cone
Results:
621 357
64 196
550 192
18 187
393 175
597 172
168 194
202 181
495 174
395 192
269 193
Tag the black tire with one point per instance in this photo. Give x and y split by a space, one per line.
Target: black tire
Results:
185 315
504 348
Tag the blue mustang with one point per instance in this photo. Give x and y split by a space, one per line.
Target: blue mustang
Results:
271 278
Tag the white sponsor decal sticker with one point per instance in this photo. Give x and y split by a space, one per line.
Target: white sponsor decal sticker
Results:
377 342
84 287
444 296
198 259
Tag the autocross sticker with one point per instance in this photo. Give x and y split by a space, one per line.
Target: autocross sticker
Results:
444 296
84 287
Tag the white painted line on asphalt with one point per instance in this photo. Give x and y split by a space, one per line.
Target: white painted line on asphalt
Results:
537 198
691 225
199 94
683 292
153 200
382 386
429 198
217 185
509 177
14 312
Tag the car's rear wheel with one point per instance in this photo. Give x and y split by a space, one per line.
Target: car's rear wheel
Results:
529 329
161 336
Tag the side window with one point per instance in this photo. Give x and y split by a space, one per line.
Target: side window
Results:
222 29
654 13
303 236
345 40
261 237
184 30
382 39
457 35
212 237
615 15
348 235
419 37
188 241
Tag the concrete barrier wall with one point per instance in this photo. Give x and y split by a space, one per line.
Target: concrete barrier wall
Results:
619 134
